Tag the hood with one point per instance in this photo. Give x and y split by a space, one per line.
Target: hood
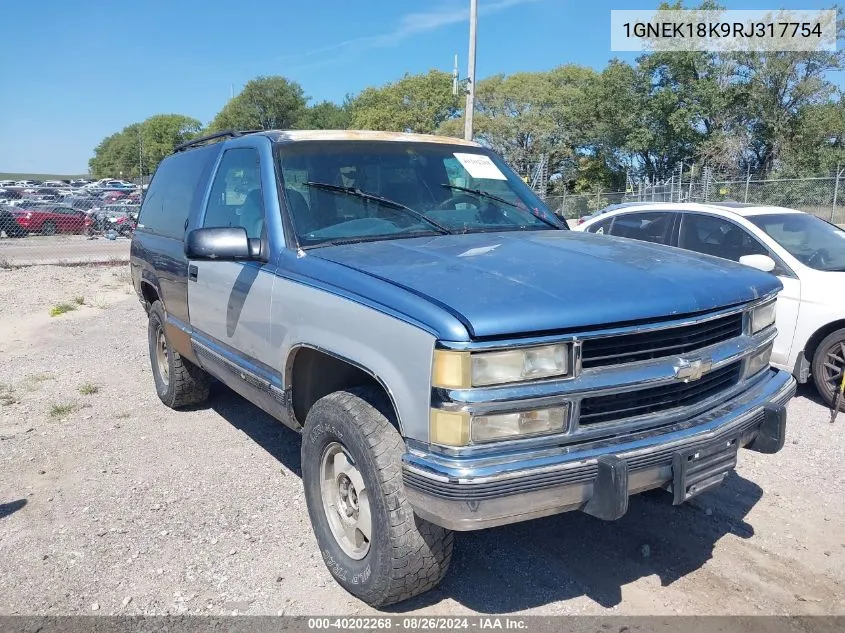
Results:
501 284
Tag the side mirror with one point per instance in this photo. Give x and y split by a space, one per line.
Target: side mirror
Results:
218 243
760 262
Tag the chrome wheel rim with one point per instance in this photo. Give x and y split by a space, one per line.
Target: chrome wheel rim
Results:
346 501
161 358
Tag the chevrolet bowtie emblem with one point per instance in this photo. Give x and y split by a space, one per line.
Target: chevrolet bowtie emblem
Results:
690 370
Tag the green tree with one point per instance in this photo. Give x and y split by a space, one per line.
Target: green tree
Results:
415 103
265 103
118 154
163 132
325 116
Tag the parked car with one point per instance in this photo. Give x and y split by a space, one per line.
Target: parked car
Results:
805 252
82 204
10 194
9 224
28 183
453 355
50 219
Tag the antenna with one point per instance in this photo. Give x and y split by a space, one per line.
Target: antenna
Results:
455 78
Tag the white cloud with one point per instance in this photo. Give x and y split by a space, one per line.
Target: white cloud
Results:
409 25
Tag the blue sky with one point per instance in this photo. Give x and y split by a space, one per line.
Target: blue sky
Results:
75 71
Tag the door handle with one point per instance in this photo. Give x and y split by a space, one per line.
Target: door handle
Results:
192 273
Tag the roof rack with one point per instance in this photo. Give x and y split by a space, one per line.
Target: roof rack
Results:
202 140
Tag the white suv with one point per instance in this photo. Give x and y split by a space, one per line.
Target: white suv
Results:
805 252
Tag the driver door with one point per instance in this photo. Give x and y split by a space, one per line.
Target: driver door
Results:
229 301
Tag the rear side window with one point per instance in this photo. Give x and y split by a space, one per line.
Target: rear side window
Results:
172 192
649 227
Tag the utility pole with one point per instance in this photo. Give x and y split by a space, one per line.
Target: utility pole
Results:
470 107
140 156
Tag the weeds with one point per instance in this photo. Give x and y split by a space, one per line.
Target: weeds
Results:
61 308
123 416
88 388
8 395
79 300
33 382
58 411
6 263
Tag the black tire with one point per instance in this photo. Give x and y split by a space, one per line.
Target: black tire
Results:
407 555
184 384
828 365
48 228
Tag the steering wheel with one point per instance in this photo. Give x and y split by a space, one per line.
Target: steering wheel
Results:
461 198
819 258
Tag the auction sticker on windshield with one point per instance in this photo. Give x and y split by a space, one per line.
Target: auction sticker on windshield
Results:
480 166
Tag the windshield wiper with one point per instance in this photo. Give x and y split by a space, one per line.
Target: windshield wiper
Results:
484 194
479 192
353 191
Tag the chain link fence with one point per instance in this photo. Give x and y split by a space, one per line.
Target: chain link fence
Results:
92 223
823 197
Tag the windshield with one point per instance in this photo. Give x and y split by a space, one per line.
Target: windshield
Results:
351 191
810 240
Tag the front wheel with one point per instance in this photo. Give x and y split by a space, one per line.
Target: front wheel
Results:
372 542
828 365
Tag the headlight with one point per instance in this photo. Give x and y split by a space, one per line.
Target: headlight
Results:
759 361
763 316
458 428
461 370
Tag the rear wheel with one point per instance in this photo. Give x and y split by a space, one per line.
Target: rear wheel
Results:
372 542
828 365
48 228
178 382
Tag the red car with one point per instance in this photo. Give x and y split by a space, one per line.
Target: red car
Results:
52 219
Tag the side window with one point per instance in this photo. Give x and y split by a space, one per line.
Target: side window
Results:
601 228
236 198
654 226
718 237
170 197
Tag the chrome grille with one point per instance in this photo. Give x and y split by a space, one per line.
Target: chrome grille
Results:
637 346
618 407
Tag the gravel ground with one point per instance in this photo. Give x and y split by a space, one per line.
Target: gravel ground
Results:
112 503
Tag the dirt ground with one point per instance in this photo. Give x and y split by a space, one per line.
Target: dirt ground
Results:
111 503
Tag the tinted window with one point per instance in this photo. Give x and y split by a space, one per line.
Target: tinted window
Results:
172 192
655 226
601 228
718 237
235 198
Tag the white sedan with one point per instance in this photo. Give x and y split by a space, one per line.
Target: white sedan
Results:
806 253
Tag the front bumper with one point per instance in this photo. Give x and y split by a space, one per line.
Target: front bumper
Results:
464 493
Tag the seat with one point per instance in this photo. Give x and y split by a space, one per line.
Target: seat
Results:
251 214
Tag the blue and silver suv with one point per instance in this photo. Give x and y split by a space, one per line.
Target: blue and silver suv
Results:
454 357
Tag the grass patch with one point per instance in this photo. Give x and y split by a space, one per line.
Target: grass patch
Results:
79 300
61 308
33 382
8 395
88 388
123 416
6 263
58 411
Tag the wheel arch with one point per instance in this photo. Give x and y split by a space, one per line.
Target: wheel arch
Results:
819 335
311 372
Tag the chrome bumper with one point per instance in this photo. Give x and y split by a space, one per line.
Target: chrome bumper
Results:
463 493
